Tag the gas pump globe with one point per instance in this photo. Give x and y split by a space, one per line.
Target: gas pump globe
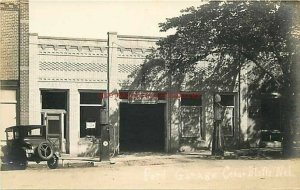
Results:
218 108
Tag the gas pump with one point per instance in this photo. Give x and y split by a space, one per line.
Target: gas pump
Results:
217 141
104 136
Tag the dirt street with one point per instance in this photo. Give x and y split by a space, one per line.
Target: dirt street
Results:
169 173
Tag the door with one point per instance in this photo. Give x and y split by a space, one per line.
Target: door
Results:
142 127
54 123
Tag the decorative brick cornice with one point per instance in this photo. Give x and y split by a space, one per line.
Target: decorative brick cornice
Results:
139 53
128 68
143 50
77 80
75 66
50 49
122 50
67 47
55 47
102 49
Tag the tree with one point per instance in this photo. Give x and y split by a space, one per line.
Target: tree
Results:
236 35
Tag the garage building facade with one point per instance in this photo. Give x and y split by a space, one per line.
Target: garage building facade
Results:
70 80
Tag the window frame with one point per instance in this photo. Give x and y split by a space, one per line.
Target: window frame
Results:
200 133
235 113
100 105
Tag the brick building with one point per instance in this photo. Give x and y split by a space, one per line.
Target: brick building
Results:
14 55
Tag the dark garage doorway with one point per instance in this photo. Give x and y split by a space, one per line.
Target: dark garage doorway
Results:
142 127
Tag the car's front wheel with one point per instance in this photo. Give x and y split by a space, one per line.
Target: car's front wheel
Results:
53 162
45 151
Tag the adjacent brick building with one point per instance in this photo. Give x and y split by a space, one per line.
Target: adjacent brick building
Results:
14 55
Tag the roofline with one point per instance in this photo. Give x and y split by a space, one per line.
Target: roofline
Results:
140 37
17 126
68 38
24 125
95 39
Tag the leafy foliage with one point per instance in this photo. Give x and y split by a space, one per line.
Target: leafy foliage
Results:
261 37
247 32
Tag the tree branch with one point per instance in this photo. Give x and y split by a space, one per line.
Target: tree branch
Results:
261 67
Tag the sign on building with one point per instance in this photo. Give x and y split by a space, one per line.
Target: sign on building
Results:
141 97
90 125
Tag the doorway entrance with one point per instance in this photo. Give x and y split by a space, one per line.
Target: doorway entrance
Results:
54 120
272 129
142 127
53 115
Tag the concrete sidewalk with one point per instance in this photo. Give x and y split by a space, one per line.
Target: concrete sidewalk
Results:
145 158
150 158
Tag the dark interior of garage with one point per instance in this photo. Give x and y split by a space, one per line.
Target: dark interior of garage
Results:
142 127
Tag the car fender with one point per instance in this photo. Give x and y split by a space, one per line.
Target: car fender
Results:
57 154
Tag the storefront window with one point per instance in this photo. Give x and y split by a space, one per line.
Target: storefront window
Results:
191 108
90 105
190 119
191 99
227 101
54 99
91 98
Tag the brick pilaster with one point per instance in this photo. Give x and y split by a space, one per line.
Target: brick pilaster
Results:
24 60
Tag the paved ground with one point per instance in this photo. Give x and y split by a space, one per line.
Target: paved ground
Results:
159 171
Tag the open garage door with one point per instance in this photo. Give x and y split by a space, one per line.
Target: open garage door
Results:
142 127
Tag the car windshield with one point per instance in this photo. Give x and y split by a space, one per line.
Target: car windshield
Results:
10 135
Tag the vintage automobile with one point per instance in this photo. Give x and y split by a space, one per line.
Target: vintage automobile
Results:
29 143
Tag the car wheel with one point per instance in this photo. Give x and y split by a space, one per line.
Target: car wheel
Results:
53 162
45 151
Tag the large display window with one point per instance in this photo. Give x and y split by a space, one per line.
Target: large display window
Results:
191 113
90 105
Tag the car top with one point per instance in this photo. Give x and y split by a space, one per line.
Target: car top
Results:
20 126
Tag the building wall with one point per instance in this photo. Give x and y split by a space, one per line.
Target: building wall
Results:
126 55
66 64
76 64
129 53
13 63
9 24
81 64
